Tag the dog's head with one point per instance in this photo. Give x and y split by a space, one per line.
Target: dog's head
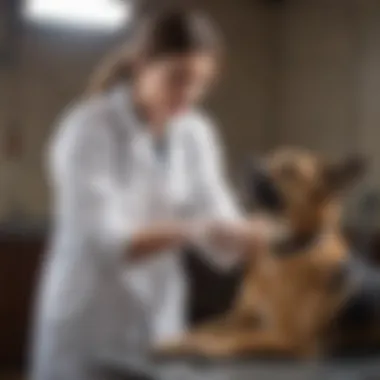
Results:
301 187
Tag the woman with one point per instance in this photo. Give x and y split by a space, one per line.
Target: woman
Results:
136 175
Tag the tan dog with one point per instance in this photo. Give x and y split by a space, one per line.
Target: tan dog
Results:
294 289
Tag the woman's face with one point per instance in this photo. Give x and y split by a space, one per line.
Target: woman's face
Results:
173 84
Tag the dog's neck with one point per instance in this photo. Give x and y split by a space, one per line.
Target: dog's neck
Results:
299 237
295 243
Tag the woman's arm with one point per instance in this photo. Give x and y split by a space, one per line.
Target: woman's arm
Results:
228 233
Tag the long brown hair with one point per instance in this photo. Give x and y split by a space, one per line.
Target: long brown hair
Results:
167 33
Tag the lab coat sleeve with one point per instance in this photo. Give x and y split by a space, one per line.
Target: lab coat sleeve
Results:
82 167
214 196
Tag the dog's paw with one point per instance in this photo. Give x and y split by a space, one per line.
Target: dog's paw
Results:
172 349
213 349
199 348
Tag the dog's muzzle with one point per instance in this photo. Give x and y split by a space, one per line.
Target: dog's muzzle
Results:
264 192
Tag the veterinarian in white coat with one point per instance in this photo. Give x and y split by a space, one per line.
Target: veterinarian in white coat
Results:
135 172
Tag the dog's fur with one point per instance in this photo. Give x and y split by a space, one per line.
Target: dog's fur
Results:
293 289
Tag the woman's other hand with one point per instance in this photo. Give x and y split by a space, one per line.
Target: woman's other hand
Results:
157 237
239 234
247 234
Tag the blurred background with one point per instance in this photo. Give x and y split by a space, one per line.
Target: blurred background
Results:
298 72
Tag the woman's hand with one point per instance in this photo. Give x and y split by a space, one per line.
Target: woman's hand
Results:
239 235
158 237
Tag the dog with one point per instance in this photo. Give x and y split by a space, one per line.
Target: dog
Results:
297 287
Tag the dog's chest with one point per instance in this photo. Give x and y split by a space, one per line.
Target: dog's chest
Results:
282 282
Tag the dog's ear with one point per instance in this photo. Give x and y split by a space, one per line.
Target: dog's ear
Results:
342 174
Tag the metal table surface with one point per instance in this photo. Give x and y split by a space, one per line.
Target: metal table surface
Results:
345 369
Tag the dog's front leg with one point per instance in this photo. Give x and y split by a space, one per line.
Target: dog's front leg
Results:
198 344
232 344
256 342
198 338
210 338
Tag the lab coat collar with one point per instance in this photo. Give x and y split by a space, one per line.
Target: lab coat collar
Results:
121 97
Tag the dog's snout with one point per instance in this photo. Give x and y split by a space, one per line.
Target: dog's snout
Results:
265 193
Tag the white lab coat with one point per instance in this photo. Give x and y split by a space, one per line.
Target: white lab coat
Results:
108 181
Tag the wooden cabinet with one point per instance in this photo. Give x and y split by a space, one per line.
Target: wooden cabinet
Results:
19 260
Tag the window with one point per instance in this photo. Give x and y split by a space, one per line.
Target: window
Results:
94 14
